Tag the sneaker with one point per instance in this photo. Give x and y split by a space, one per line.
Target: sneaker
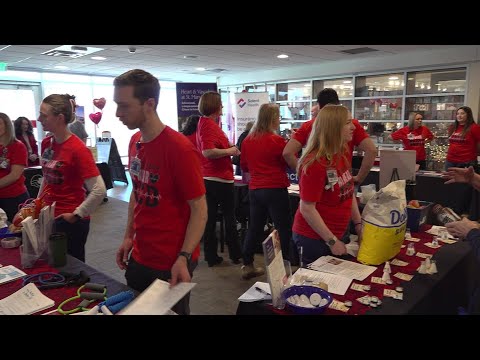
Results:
249 271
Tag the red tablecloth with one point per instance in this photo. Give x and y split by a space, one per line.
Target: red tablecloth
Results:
377 289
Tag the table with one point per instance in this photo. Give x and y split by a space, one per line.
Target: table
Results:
12 257
438 294
33 178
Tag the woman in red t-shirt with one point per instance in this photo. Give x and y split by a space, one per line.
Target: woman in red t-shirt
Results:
414 136
217 172
326 187
68 168
13 159
262 157
24 133
464 137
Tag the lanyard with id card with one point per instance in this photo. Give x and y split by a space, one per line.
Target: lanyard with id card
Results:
136 164
332 178
4 161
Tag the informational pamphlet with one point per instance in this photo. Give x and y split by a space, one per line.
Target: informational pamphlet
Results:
276 274
333 265
26 301
10 273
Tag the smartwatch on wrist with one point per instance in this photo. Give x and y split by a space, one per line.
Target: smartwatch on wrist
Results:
186 255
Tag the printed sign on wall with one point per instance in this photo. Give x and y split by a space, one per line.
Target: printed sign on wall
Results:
188 95
247 106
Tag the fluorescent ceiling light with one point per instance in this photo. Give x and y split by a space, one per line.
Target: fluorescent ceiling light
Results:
98 58
282 56
200 69
393 78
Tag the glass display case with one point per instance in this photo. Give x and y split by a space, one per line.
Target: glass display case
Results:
379 109
437 81
343 87
379 85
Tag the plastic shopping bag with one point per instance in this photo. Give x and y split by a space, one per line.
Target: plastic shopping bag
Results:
384 221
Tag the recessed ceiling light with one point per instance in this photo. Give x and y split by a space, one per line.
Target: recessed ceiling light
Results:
347 82
393 78
61 67
282 56
200 69
98 58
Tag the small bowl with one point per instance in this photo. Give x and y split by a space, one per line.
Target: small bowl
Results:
306 290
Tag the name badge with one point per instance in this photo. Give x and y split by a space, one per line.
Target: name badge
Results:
135 166
4 163
410 136
332 177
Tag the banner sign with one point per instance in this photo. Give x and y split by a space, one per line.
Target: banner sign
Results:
188 95
247 106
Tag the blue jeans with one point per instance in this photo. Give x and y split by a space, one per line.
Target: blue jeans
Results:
77 234
312 248
264 202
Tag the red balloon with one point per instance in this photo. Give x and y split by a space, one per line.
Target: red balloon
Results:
100 103
96 117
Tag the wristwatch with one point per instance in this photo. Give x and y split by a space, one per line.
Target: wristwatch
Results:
186 255
332 241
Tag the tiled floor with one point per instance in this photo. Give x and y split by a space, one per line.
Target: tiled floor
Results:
217 289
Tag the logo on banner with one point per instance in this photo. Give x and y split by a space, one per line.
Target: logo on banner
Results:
241 103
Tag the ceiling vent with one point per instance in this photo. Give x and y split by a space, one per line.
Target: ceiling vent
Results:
361 50
71 51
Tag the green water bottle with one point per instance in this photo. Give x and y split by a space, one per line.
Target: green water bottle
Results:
57 249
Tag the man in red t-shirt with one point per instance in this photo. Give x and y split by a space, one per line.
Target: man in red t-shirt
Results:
360 138
167 210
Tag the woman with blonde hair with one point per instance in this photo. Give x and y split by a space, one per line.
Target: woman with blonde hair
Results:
326 187
68 168
262 157
13 160
414 136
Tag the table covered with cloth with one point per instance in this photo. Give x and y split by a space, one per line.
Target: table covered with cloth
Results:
442 293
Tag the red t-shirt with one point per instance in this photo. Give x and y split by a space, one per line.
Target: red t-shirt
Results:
65 173
335 207
170 175
210 136
414 139
359 134
13 154
262 158
193 139
33 145
463 149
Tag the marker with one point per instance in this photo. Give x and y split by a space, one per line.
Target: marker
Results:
262 291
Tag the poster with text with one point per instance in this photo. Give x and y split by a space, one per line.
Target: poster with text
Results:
188 95
247 106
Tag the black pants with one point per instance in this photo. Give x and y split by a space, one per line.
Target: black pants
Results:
10 205
264 202
423 164
139 277
220 193
77 234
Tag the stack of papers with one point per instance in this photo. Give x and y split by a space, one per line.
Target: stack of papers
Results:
10 273
26 301
259 291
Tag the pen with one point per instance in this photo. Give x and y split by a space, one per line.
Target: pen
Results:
262 291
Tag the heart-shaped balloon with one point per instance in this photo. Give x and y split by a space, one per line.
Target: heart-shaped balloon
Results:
96 117
393 106
100 103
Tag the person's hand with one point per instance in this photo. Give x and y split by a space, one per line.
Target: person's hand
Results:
357 180
459 175
68 217
180 271
461 228
339 248
33 157
234 151
123 251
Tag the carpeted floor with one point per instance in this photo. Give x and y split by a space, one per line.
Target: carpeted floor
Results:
218 287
